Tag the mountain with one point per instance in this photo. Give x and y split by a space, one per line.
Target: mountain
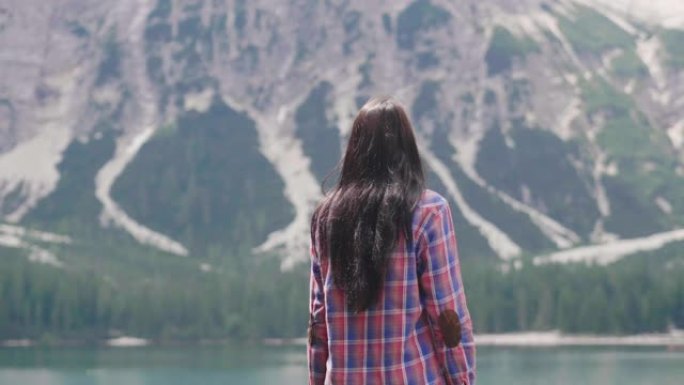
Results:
196 134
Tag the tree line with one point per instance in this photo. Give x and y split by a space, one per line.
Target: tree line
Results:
46 303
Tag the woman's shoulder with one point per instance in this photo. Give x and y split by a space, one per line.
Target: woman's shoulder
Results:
430 204
431 199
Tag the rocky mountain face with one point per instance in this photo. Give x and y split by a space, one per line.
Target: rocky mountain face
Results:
205 128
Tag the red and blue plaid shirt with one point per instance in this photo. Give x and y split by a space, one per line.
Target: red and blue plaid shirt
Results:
398 339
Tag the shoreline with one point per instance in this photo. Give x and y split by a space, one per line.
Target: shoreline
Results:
672 340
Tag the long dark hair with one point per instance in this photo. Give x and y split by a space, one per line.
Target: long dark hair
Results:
359 222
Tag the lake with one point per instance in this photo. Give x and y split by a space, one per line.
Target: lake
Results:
287 366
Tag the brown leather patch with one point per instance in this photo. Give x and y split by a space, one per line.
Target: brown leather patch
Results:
450 327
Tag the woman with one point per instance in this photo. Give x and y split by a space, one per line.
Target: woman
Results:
387 302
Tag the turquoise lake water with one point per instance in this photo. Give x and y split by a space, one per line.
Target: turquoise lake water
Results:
287 366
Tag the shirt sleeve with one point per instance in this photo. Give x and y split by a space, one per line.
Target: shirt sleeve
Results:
317 346
444 297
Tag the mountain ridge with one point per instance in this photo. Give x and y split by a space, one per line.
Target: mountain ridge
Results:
489 85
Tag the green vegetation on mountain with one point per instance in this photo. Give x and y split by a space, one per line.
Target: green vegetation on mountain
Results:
158 29
352 31
630 216
240 20
12 201
519 93
77 29
598 96
517 225
536 167
162 10
204 182
366 70
426 60
72 208
504 49
472 245
629 65
419 16
177 56
490 97
590 32
387 23
425 108
672 40
426 104
189 29
9 113
646 164
320 136
159 32
110 66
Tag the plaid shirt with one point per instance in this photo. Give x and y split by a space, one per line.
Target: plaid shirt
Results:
398 339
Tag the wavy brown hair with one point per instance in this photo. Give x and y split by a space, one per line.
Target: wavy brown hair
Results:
360 221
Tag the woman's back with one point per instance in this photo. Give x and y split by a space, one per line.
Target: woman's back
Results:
419 329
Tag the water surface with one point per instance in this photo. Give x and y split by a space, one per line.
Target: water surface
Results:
287 366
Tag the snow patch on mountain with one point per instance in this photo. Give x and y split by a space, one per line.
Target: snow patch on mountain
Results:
31 166
667 13
563 126
345 105
550 23
499 241
601 168
38 174
278 143
34 235
650 52
198 101
552 229
664 205
614 251
127 148
21 238
676 135
130 143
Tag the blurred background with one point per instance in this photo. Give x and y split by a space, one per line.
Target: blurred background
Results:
160 160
